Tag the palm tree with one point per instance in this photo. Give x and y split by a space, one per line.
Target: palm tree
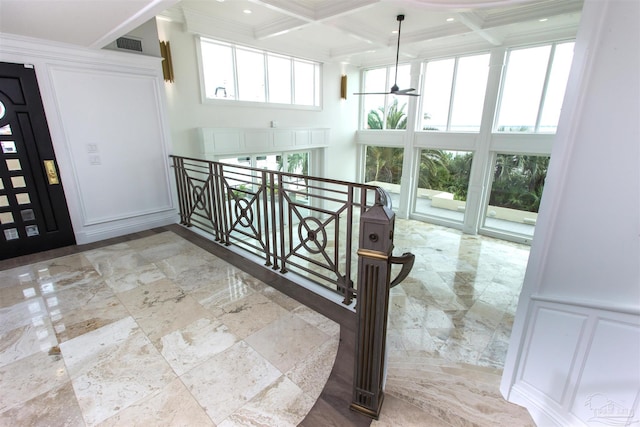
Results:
384 164
433 169
396 117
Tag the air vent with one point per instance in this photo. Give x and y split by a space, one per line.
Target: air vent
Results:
129 44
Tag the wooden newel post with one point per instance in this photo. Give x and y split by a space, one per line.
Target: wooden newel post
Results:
374 278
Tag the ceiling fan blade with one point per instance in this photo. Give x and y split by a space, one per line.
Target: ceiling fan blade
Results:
394 89
402 91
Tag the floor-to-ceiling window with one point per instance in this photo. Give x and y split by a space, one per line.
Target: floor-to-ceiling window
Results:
472 151
442 184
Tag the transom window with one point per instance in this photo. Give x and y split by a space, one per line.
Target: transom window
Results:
235 73
533 88
453 94
385 111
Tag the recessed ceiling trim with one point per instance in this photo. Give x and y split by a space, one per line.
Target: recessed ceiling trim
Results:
476 23
532 12
288 8
278 27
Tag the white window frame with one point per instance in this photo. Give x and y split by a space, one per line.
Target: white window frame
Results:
452 93
543 93
317 81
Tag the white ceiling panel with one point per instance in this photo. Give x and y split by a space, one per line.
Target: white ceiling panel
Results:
359 32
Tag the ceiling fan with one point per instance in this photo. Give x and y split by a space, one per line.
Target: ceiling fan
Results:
395 90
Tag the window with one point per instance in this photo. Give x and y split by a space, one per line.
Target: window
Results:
237 73
443 181
218 71
453 94
251 75
383 167
518 181
533 88
385 111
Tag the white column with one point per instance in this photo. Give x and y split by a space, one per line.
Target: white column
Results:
481 169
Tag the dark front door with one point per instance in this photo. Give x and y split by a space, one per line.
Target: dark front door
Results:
33 209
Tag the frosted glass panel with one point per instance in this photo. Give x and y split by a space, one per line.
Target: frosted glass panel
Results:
32 230
23 198
27 215
18 182
6 217
11 234
14 165
8 147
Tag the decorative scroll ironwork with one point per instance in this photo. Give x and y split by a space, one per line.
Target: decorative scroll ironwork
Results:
297 223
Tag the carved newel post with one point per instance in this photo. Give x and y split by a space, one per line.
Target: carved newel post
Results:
374 281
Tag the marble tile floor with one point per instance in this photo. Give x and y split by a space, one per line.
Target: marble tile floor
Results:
155 331
160 298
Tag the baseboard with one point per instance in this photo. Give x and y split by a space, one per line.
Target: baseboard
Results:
127 226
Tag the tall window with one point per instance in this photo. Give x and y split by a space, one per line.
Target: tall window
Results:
453 94
385 111
533 88
443 181
242 74
383 167
516 190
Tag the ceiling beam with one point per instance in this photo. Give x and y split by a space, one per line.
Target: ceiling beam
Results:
301 16
476 24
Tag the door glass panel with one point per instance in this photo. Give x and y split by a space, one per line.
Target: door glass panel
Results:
23 198
1 184
8 147
6 217
443 181
32 230
27 215
18 182
14 164
4 201
5 130
11 234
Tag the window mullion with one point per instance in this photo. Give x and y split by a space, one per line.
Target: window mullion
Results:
265 58
234 61
293 82
544 87
453 92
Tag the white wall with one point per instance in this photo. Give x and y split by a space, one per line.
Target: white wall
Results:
574 355
106 116
187 112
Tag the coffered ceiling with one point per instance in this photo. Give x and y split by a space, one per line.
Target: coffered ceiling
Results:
360 32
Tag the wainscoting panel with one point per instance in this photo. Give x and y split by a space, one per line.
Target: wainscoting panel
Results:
613 357
117 144
237 141
582 364
554 337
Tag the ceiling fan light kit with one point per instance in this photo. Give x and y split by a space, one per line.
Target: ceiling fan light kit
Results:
395 90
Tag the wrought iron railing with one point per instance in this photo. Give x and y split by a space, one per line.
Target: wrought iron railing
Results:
297 223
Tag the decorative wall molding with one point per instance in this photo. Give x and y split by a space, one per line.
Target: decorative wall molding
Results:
572 373
126 226
111 106
226 141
